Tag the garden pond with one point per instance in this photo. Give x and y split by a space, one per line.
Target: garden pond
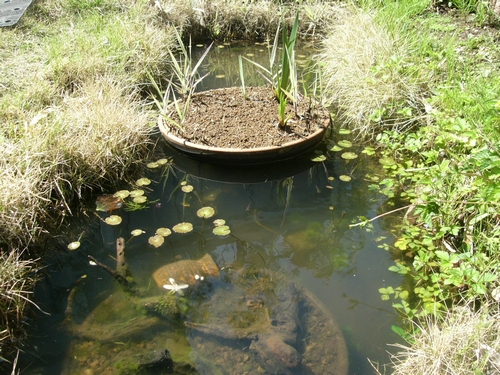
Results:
244 248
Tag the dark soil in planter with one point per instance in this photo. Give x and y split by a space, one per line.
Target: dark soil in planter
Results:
224 118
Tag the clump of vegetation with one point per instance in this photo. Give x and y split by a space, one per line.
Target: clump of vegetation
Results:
222 20
17 277
366 77
463 342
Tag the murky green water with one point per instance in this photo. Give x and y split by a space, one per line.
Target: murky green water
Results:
291 218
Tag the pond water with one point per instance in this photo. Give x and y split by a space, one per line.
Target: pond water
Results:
292 218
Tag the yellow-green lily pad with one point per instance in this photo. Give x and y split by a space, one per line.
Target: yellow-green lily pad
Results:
219 222
344 144
336 148
74 245
349 155
344 131
140 199
164 232
222 230
153 165
122 194
136 193
156 241
113 220
162 161
318 158
187 188
137 232
345 178
183 228
143 181
205 212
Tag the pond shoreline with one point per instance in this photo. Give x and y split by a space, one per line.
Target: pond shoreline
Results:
83 92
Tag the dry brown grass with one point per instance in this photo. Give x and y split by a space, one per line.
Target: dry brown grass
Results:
227 20
362 74
17 277
89 140
463 342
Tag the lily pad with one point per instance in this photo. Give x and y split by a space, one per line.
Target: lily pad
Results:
162 161
156 241
183 228
344 143
187 188
349 155
122 194
153 165
143 181
137 232
344 131
387 161
205 212
222 230
345 178
219 222
113 220
140 199
164 232
136 193
74 245
319 158
336 148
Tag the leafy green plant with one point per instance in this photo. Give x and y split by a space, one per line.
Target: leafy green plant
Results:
284 81
184 81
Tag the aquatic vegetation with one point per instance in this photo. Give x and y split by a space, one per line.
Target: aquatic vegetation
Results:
136 193
182 227
140 199
143 181
221 230
122 194
113 220
205 212
74 245
284 80
349 155
156 240
187 188
137 232
164 232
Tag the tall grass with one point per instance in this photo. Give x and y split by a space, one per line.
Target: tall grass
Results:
17 277
365 74
464 342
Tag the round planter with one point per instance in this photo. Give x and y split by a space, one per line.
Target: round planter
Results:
242 156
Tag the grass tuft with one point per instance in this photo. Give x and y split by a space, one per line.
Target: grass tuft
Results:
17 278
363 76
463 342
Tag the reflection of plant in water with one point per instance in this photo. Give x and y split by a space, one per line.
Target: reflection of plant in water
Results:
284 189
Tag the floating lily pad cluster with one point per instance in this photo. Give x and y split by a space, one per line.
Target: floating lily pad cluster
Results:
339 146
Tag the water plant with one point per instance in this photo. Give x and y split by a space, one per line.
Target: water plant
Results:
184 81
284 80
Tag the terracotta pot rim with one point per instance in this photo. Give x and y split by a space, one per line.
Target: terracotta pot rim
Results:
230 155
